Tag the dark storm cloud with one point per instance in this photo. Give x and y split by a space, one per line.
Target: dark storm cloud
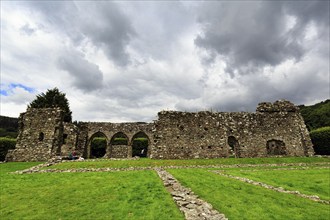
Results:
103 23
109 29
137 58
86 76
251 35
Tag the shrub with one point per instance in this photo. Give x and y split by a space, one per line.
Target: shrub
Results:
119 141
140 147
321 140
99 145
5 145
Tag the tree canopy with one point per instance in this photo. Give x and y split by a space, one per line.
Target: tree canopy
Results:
51 99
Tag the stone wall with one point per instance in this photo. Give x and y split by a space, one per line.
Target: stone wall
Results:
69 139
275 129
40 135
209 135
120 151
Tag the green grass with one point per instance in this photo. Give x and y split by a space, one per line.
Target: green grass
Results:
146 162
238 200
117 195
141 194
310 181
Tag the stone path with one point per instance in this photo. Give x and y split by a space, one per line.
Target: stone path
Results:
277 189
189 203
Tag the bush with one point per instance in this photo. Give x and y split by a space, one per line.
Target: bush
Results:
119 141
9 133
140 147
321 140
5 145
99 146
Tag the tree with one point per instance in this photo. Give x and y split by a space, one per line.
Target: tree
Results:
51 99
316 116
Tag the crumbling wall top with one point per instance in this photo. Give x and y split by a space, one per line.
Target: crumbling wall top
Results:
278 106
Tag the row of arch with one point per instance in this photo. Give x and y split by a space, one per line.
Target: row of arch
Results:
119 145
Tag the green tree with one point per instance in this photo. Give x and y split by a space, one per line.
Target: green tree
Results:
51 99
316 116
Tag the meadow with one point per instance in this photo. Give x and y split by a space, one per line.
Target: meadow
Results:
141 194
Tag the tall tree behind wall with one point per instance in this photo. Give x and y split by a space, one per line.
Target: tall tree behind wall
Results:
51 99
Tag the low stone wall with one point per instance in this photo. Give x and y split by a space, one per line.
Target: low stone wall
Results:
277 189
188 203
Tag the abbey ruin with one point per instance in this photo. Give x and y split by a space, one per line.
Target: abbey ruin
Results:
274 129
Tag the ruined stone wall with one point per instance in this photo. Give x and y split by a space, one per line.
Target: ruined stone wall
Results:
274 129
40 135
69 139
207 134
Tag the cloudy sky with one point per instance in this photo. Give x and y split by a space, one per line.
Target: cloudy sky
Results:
125 61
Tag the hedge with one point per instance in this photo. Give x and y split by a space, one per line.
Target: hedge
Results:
139 146
6 144
321 140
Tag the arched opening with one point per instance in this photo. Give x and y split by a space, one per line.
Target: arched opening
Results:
140 142
98 145
276 147
119 145
234 150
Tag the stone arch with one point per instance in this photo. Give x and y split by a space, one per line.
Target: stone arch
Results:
119 145
140 147
94 152
276 147
234 148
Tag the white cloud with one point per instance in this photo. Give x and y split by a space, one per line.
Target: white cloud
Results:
120 61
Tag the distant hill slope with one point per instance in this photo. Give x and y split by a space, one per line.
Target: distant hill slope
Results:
316 116
8 126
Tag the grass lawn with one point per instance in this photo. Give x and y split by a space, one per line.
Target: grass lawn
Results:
146 162
310 181
116 195
238 200
141 194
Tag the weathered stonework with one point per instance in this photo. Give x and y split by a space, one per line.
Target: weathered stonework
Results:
209 135
120 151
274 129
69 140
40 135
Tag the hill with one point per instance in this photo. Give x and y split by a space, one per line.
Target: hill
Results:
8 127
316 116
